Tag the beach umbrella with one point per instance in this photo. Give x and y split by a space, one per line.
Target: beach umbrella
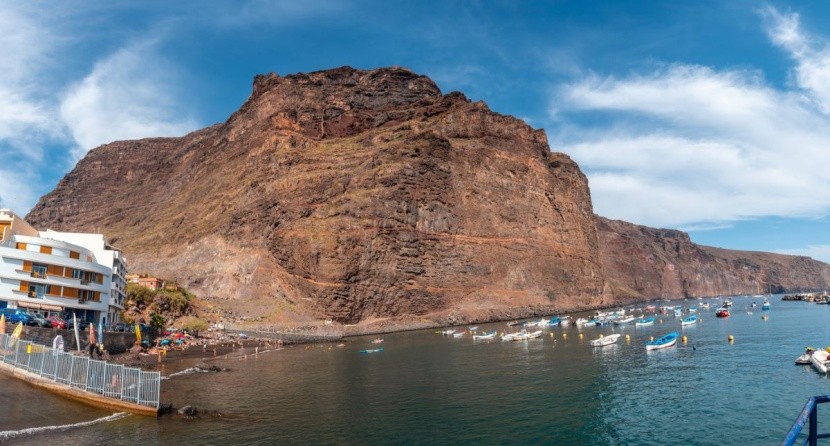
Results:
138 334
18 331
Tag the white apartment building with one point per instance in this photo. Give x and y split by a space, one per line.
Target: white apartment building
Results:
60 273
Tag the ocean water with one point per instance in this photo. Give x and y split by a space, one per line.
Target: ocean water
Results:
424 388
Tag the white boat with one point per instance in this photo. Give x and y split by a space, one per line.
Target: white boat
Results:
458 335
605 340
581 322
448 332
643 322
625 320
522 335
819 360
540 323
377 340
765 305
704 305
689 320
804 359
473 328
484 337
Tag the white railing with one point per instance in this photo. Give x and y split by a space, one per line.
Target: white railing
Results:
111 380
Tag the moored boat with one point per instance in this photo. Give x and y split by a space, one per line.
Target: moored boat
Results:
483 337
580 322
689 320
663 342
473 328
448 332
722 312
765 306
643 322
372 350
605 340
458 335
804 359
624 320
377 340
819 360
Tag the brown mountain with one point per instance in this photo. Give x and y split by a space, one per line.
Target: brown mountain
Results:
368 196
347 194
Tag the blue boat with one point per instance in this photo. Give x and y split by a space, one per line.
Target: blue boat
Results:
373 350
555 320
643 322
765 306
689 320
663 342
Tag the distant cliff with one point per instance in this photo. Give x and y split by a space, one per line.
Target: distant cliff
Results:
351 195
644 263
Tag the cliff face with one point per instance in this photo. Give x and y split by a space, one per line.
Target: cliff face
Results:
347 194
645 263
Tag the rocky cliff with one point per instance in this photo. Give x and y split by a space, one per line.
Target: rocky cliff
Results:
645 263
351 195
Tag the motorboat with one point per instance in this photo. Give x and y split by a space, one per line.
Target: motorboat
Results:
765 306
693 309
377 340
819 360
448 332
580 322
804 359
722 312
668 340
458 335
473 328
554 321
540 323
704 305
522 335
689 320
678 312
624 320
605 340
484 337
643 322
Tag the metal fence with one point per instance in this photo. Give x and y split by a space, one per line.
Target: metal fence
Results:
112 380
808 415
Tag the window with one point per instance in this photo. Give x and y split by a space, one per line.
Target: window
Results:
76 273
37 290
39 270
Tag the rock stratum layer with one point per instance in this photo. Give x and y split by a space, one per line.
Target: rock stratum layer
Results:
351 195
369 196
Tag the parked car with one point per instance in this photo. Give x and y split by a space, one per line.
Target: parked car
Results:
56 322
40 321
82 324
15 315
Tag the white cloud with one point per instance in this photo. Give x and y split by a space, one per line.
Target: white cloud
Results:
691 146
129 95
817 252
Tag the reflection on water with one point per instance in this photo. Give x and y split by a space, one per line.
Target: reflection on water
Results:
425 388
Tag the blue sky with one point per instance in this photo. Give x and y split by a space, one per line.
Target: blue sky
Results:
707 116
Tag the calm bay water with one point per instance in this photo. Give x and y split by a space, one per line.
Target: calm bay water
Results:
425 388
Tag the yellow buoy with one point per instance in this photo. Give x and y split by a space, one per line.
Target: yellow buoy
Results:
731 338
651 338
684 339
580 336
564 336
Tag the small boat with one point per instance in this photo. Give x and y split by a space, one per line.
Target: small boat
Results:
678 312
377 341
689 320
722 312
704 305
510 336
643 322
693 309
372 350
540 323
580 322
554 321
765 305
650 308
528 335
804 359
448 332
514 323
483 337
605 340
819 360
663 342
624 321
473 328
727 303
754 305
458 335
